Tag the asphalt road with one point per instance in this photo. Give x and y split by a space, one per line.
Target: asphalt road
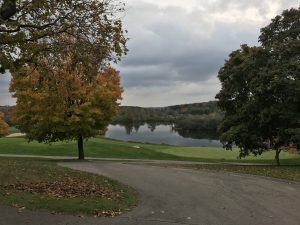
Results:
183 196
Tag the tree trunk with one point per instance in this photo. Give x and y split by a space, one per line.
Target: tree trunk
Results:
80 147
277 157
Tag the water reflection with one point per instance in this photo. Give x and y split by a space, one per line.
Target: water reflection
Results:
162 134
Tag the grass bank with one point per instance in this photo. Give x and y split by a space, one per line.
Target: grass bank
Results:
13 130
42 184
289 172
107 148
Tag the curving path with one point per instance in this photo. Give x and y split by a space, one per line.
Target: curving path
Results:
181 196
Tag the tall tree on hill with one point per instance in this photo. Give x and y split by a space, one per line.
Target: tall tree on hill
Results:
261 90
65 105
3 126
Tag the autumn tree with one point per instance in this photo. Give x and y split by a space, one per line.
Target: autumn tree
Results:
66 104
3 126
260 92
55 50
31 29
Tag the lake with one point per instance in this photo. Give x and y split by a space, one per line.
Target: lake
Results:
158 134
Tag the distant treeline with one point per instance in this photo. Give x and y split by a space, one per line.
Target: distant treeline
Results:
7 114
190 120
186 119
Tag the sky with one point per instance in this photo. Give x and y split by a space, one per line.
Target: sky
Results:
177 47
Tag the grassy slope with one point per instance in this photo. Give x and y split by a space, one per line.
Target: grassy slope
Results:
13 171
289 172
106 148
13 130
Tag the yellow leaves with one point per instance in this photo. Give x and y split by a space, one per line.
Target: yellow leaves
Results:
64 101
3 126
109 80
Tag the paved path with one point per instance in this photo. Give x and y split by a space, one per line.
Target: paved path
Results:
143 161
16 135
182 196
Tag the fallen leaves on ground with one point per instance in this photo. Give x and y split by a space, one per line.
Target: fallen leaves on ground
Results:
19 207
67 188
107 213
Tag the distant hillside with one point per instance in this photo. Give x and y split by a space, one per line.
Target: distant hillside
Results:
169 113
187 117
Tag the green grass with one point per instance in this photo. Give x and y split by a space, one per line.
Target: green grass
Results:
13 130
107 148
210 154
24 171
291 173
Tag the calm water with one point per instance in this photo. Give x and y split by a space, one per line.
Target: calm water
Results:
161 134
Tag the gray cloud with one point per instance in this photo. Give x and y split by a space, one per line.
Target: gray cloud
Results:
5 96
171 52
177 47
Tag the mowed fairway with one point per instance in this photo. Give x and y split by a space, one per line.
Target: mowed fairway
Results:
107 148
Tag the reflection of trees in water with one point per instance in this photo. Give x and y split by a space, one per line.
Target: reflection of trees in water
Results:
128 128
198 134
136 127
187 133
152 126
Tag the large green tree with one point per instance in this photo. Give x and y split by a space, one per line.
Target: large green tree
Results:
261 90
31 29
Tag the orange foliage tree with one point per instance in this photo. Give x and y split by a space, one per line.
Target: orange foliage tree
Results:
65 103
3 126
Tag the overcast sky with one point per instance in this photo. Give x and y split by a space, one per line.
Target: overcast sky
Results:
177 46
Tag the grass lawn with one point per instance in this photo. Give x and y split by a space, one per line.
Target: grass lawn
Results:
288 172
107 148
13 130
41 184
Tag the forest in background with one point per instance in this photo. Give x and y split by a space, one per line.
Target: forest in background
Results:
197 120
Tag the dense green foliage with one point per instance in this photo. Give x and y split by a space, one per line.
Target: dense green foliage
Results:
260 92
31 30
186 118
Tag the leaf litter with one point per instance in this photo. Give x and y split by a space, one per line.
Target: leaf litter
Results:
69 188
